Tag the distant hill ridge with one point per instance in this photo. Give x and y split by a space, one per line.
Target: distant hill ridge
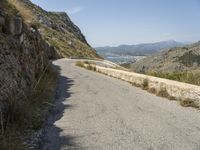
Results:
139 49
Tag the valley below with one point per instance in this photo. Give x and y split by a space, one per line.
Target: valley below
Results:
129 54
122 59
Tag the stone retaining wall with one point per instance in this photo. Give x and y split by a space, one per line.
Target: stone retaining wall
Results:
173 89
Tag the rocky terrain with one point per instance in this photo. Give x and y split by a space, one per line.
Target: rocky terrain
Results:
30 38
57 29
23 54
182 59
28 42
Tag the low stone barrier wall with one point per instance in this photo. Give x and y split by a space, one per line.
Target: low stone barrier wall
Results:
163 87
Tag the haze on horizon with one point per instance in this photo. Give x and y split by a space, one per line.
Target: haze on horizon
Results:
112 23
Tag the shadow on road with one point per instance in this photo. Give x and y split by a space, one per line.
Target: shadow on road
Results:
53 139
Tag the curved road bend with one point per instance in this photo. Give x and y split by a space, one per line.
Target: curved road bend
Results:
97 112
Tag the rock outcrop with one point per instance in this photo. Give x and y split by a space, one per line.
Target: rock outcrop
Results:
57 29
23 55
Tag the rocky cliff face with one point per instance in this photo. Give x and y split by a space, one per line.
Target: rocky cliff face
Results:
181 59
23 54
57 29
29 38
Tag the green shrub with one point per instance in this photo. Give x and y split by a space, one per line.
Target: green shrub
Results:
145 84
187 77
189 58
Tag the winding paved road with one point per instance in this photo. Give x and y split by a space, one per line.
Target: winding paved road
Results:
96 112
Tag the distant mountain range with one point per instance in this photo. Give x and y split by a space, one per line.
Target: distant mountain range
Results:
139 49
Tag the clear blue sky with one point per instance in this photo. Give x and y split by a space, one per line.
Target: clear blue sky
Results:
115 22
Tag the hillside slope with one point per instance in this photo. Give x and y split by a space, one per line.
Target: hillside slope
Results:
57 29
174 60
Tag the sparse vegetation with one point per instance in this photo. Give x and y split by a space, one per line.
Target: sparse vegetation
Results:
10 8
145 84
80 64
152 90
187 77
26 113
120 68
189 59
64 37
189 103
26 13
91 67
86 64
163 93
126 65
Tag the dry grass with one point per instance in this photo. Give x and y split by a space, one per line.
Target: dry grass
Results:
152 90
187 77
11 140
80 64
145 84
120 68
86 64
26 13
60 40
172 98
91 67
189 103
26 113
163 93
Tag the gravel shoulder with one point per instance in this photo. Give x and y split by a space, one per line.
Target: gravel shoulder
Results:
94 111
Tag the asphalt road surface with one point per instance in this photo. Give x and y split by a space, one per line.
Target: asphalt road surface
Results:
96 112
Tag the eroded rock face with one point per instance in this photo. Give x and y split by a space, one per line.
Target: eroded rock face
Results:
15 26
23 57
18 25
2 22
